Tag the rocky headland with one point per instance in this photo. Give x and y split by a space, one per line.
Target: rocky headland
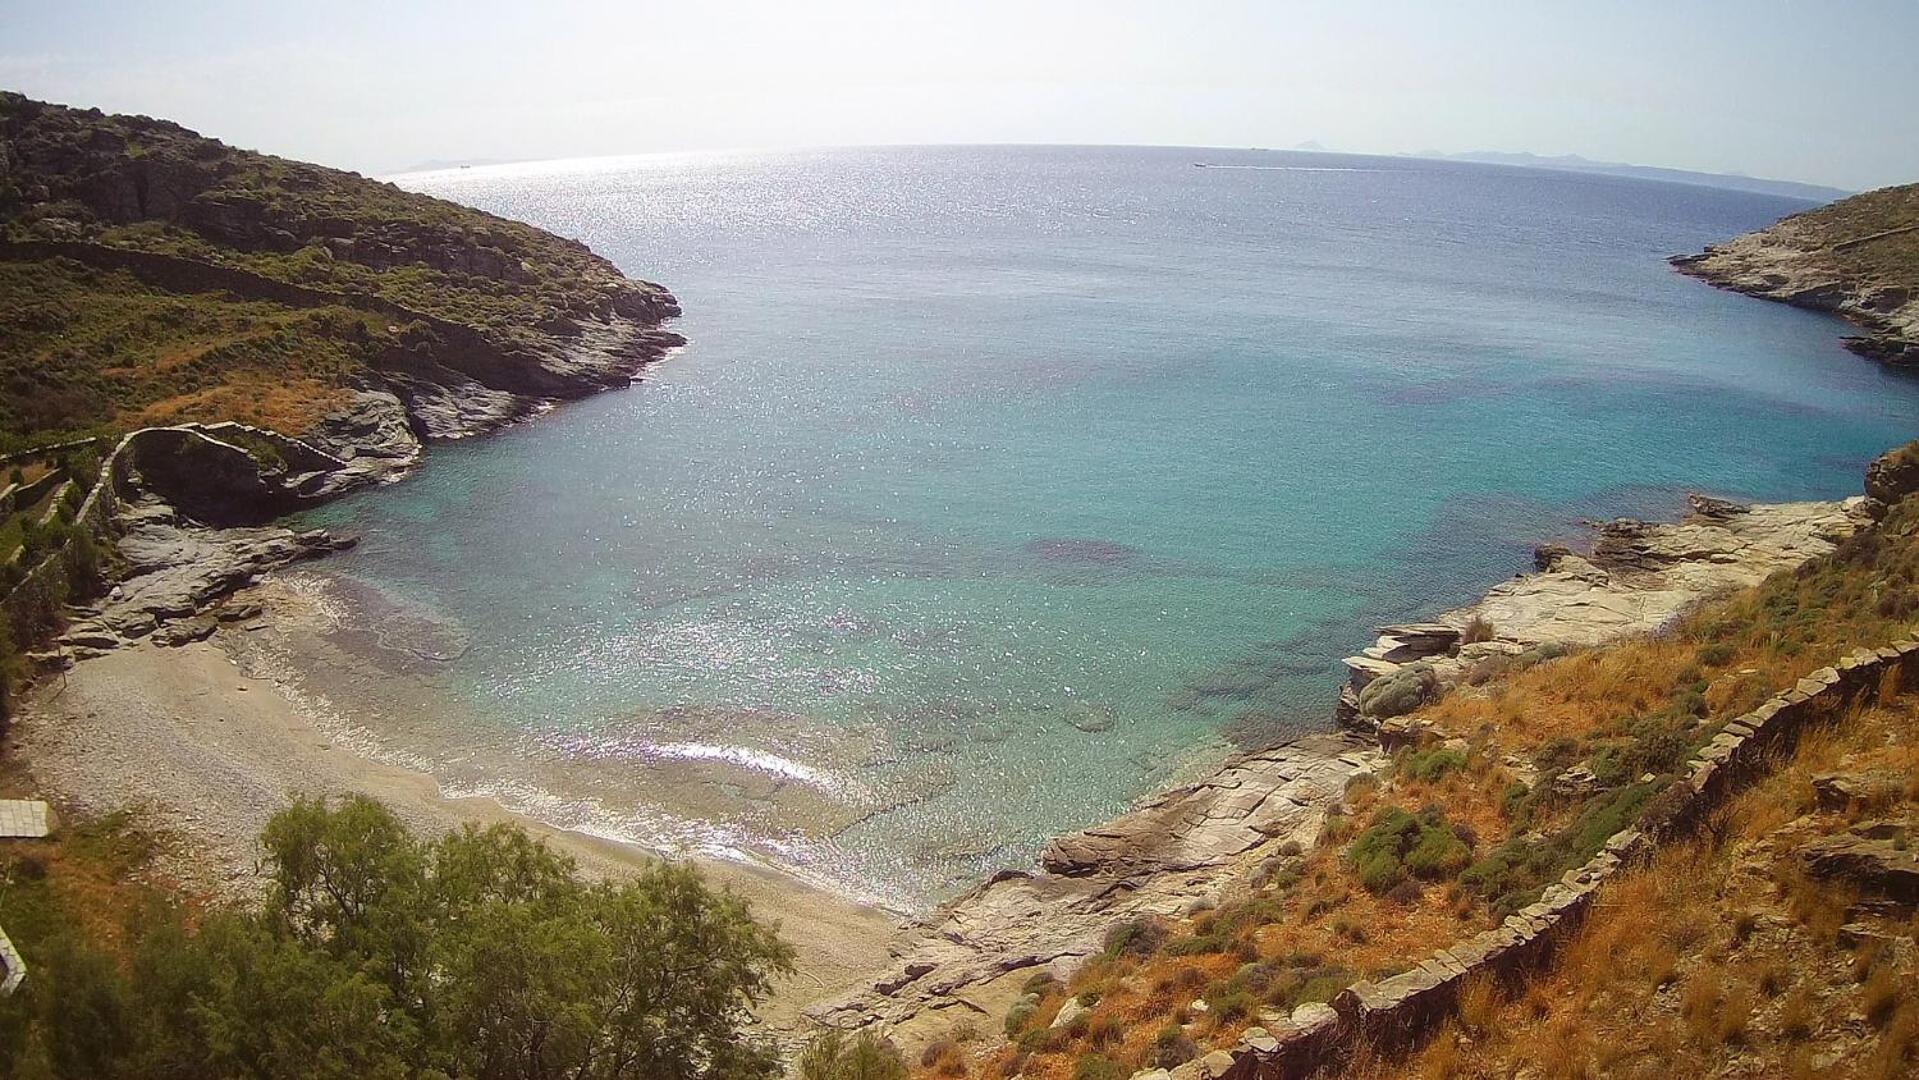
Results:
219 337
1857 258
152 276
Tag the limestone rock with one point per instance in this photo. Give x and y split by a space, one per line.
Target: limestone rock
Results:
1893 475
371 433
1641 575
1875 865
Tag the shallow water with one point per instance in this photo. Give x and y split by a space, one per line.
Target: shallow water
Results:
997 484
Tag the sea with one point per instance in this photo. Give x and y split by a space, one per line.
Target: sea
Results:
997 487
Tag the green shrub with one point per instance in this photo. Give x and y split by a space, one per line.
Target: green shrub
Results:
1172 1047
1138 937
1021 1014
1430 764
1197 945
1397 844
1231 1005
1100 1067
833 1056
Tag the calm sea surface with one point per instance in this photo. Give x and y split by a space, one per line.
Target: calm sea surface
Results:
999 485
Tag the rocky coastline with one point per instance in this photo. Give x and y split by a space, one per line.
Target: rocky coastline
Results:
1854 259
1198 845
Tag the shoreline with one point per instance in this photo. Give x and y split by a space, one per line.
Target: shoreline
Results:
212 741
208 752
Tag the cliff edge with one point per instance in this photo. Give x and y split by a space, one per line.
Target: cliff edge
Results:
1858 258
150 276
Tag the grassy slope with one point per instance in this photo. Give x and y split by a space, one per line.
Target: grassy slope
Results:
84 351
1835 233
1724 954
1309 923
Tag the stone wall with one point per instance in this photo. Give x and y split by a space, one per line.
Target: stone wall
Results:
31 605
39 452
22 496
1396 1012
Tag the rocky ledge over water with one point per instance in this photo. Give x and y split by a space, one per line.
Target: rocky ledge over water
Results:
1637 577
151 276
1857 258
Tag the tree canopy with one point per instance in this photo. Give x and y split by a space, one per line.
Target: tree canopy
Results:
479 954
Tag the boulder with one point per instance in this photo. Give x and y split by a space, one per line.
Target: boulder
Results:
1400 692
1876 866
1894 474
1707 506
1837 791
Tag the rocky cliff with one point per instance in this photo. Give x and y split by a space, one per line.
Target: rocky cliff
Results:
1858 258
151 275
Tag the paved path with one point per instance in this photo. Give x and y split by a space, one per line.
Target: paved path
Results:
22 819
12 968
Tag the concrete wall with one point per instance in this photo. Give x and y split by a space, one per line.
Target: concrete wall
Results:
1396 1012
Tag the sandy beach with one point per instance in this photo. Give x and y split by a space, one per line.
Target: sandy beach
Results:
209 752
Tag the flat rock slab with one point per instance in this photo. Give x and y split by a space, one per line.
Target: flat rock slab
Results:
12 969
23 819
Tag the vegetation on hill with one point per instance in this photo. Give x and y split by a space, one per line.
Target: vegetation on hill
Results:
377 954
1726 957
1871 238
1529 769
256 287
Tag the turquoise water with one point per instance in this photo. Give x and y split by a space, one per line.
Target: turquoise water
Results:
998 484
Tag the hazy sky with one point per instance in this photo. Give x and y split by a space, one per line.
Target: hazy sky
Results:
1826 92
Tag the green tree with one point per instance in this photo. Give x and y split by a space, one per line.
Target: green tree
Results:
833 1056
480 954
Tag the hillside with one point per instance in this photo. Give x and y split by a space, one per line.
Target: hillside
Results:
150 274
1858 257
1528 806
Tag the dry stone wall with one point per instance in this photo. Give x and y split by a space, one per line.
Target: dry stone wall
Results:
29 608
1396 1012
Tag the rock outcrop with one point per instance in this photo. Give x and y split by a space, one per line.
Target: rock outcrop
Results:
1638 577
1176 849
186 511
1857 258
1878 866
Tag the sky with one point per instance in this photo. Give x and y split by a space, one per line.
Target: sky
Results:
1823 92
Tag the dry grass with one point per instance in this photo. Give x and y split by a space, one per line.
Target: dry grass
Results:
1629 709
1722 950
291 407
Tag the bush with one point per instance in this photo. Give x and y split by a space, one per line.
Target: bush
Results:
1400 692
1172 1047
379 954
1100 1067
1476 631
1021 1014
1139 937
1398 844
833 1056
1429 765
